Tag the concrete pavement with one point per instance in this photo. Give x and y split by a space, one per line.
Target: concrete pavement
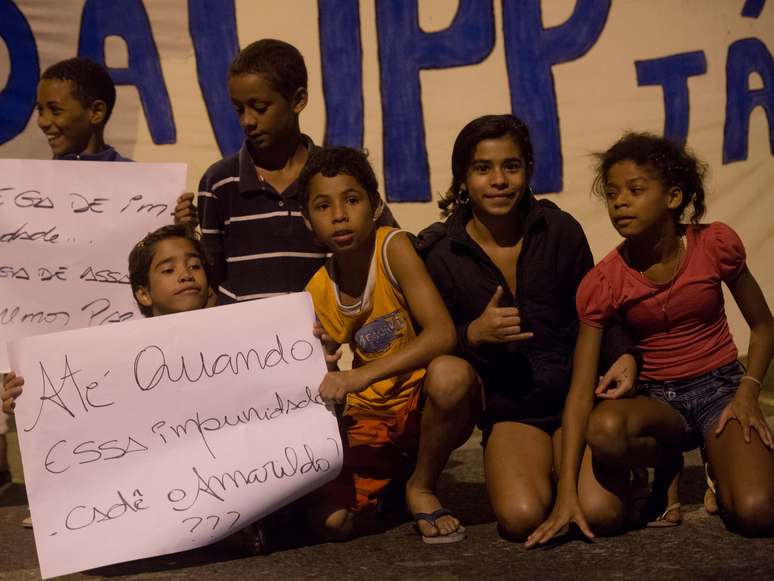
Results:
700 548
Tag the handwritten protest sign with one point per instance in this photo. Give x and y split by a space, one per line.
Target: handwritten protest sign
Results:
170 433
66 229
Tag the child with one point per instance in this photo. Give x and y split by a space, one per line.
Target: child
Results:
403 395
75 100
664 281
508 266
248 203
168 274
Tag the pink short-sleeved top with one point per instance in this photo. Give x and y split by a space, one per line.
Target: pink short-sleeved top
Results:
691 337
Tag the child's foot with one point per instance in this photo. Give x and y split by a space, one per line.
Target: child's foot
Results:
710 496
434 524
662 507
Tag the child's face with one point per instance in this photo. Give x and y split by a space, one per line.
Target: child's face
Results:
637 200
340 212
67 124
176 279
265 115
497 177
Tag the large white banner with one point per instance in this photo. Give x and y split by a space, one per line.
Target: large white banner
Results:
66 229
401 78
170 433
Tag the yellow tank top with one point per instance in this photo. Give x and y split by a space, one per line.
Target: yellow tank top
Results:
378 324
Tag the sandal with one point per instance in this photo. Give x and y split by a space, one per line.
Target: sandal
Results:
710 496
439 539
662 521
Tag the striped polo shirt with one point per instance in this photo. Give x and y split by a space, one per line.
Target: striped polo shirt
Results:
254 235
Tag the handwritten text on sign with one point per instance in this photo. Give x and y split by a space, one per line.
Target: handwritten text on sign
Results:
166 434
66 229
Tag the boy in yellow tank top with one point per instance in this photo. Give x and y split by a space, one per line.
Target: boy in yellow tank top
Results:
405 397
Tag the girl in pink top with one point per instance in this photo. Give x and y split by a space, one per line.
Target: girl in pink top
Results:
664 282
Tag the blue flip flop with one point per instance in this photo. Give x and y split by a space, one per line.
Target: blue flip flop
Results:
439 539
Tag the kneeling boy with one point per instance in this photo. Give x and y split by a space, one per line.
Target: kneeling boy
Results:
404 397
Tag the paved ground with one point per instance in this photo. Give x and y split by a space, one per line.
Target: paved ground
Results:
699 549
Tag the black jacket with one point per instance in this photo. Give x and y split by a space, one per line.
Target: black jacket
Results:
554 258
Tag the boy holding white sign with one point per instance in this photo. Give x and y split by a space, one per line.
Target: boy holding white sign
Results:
75 99
405 397
168 274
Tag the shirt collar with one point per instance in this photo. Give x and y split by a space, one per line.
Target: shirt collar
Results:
248 177
107 154
530 213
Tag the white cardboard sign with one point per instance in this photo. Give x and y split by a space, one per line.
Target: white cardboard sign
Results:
66 229
170 433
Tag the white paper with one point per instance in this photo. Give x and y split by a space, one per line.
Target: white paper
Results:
127 455
66 230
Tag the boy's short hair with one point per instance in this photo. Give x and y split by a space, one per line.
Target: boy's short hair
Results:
91 81
281 63
141 257
333 161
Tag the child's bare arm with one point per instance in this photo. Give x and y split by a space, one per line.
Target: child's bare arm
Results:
577 409
745 407
12 388
437 336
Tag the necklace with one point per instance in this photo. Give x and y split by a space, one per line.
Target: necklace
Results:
665 304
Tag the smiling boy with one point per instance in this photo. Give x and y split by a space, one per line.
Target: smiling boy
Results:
74 103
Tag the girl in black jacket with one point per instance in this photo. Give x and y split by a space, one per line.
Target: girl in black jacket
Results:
508 266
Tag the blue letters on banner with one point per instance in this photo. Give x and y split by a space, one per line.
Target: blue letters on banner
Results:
746 56
530 52
672 74
404 49
752 8
341 53
128 19
212 24
17 99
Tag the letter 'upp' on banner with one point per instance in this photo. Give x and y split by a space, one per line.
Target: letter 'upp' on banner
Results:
170 433
66 230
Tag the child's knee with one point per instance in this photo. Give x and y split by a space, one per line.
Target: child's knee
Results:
519 519
451 381
753 514
605 516
607 435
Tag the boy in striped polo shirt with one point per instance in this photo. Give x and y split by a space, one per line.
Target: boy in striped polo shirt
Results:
248 203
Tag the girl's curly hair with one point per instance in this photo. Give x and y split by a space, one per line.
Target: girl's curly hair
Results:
673 164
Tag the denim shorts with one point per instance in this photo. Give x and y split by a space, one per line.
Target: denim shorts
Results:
699 400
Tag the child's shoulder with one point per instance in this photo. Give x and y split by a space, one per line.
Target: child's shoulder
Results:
225 168
611 263
713 233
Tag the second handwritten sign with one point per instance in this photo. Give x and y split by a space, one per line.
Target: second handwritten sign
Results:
66 229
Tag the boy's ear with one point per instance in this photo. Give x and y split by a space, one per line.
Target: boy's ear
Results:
300 98
378 211
675 197
143 296
98 112
307 223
